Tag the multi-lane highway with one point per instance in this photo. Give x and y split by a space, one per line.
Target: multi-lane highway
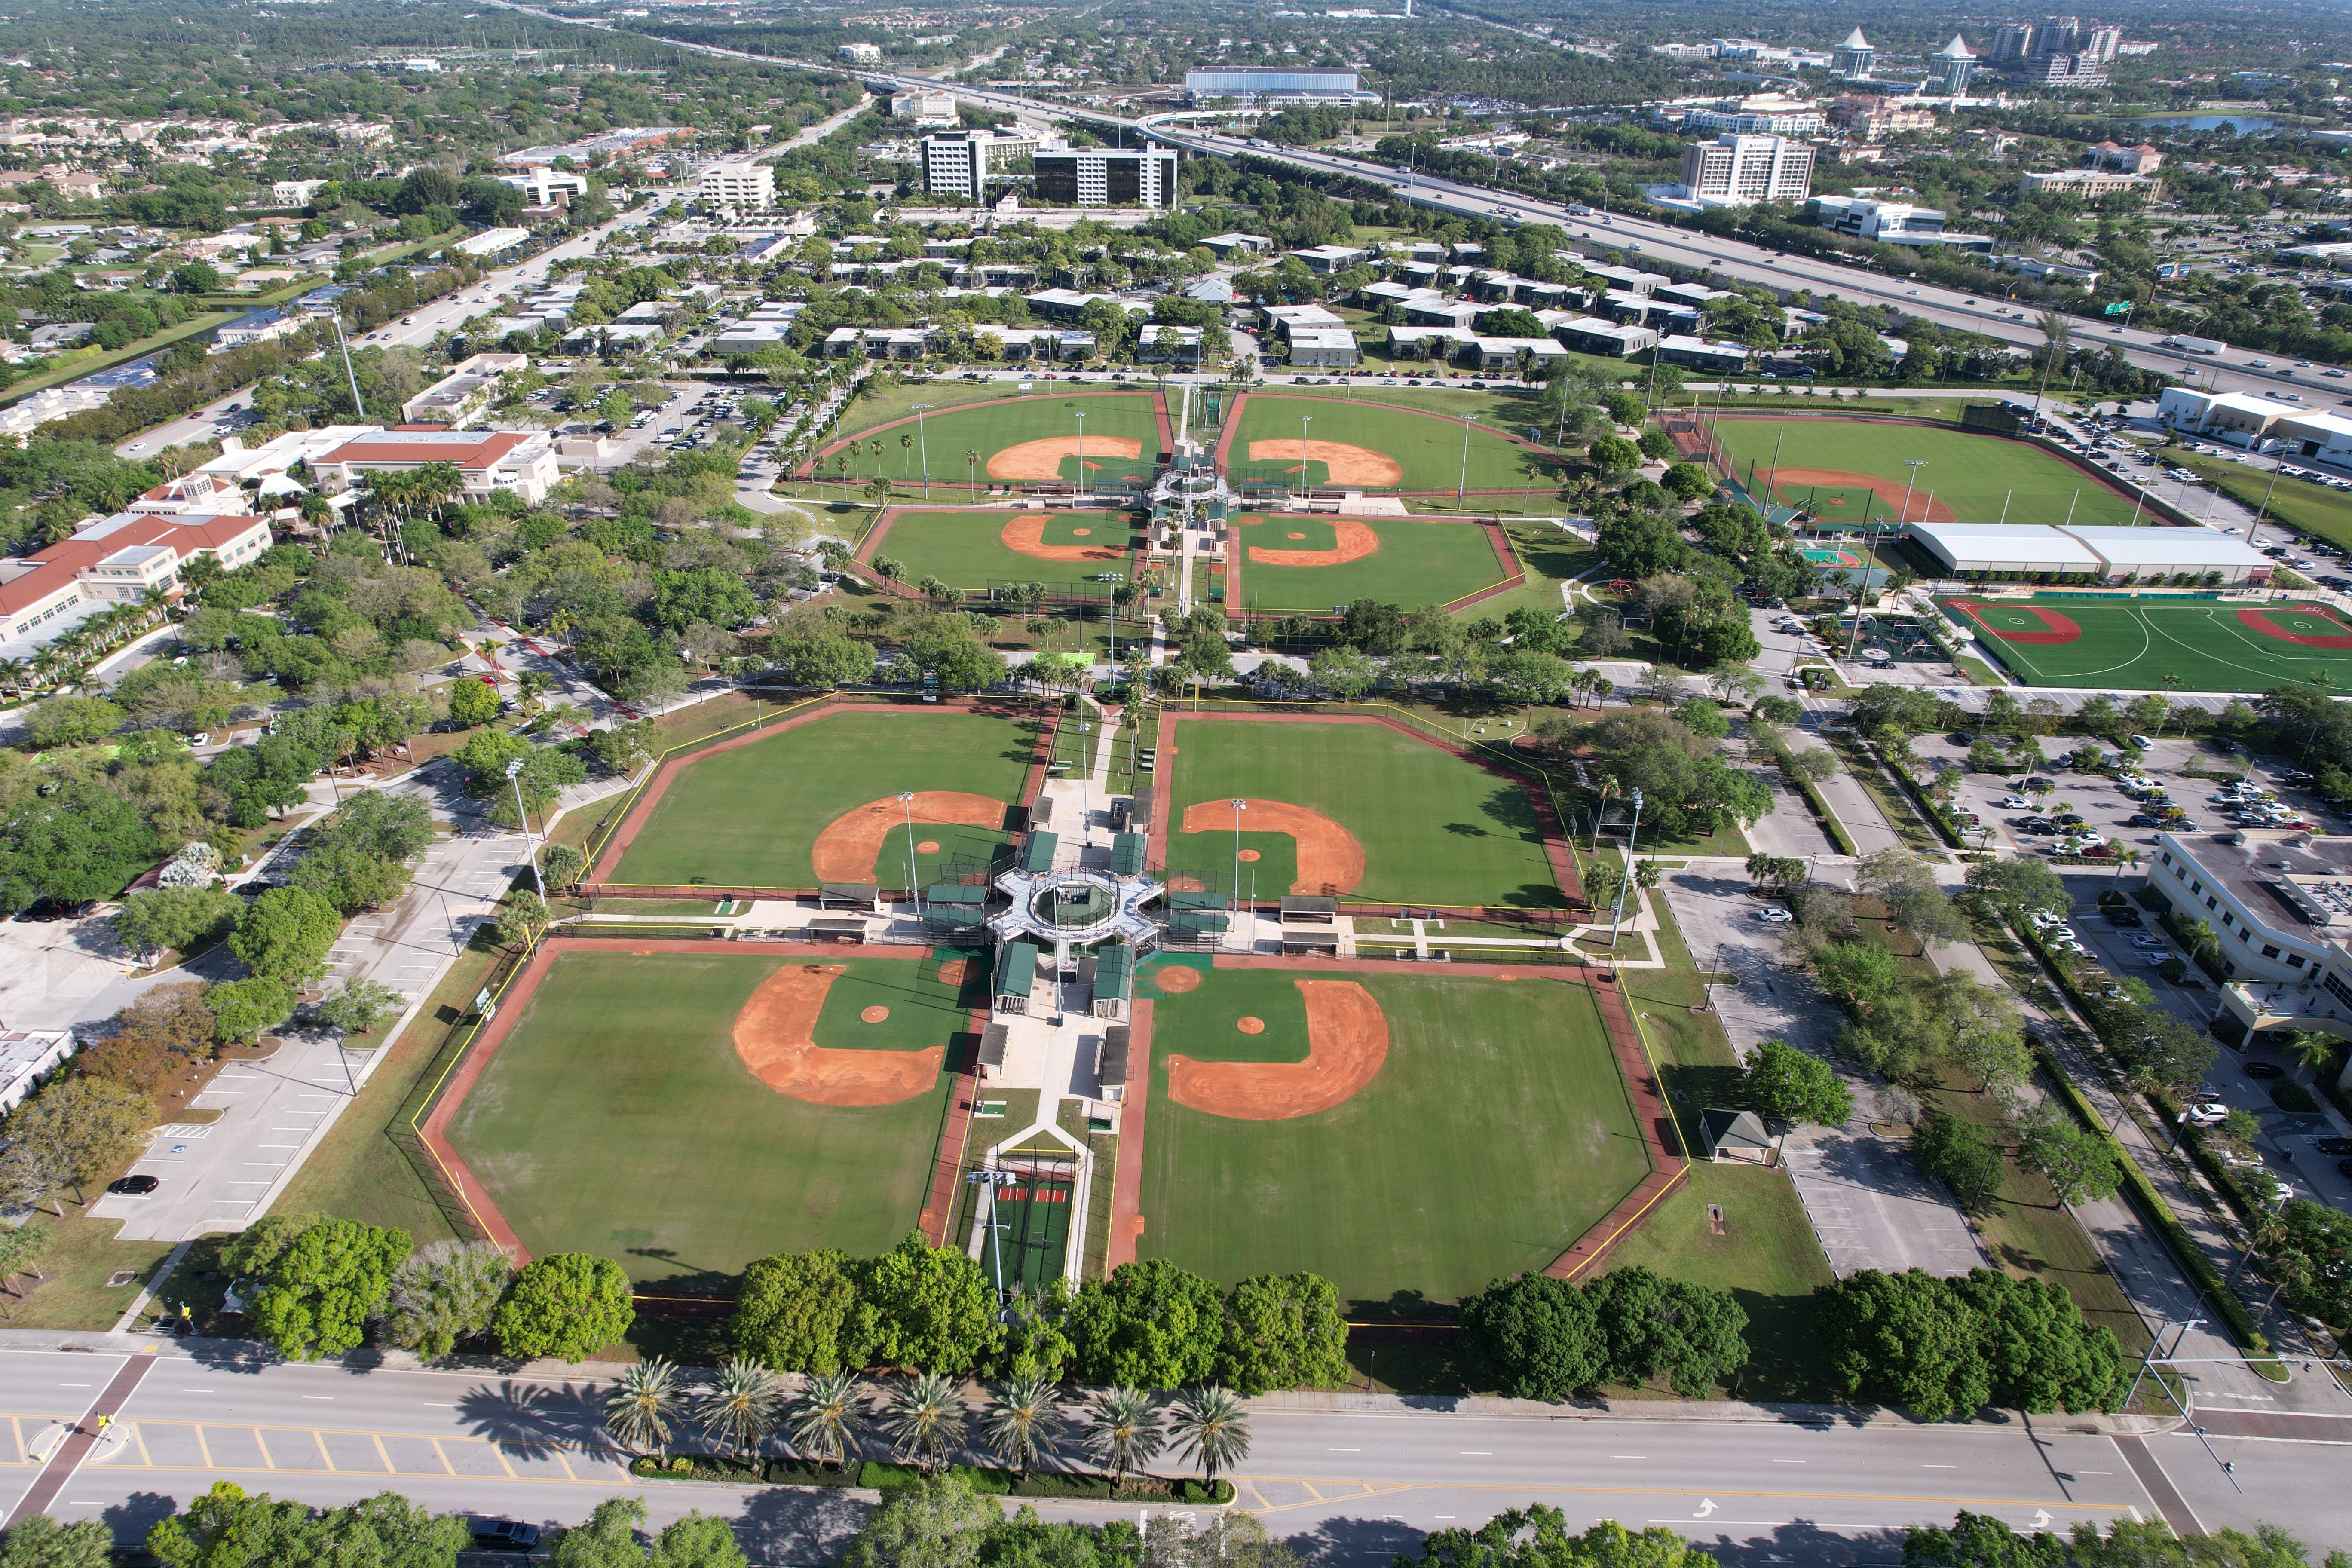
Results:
1808 1486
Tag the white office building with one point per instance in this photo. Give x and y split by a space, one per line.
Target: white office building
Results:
961 163
1737 170
749 187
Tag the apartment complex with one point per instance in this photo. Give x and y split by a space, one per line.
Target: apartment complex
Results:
1735 170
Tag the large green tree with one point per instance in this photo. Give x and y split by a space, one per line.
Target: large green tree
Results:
285 934
1283 1330
798 1313
1535 1337
1786 1082
1906 1339
1151 1324
326 1285
567 1304
927 1307
1653 1325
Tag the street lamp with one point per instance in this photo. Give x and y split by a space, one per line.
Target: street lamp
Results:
923 446
514 777
1462 485
907 800
1234 899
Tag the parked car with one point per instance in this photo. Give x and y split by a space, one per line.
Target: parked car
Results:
1775 914
2208 1113
133 1186
504 1535
2264 1069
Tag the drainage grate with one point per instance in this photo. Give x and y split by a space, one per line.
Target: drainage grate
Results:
121 1277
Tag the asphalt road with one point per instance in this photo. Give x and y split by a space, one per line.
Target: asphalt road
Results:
1338 1485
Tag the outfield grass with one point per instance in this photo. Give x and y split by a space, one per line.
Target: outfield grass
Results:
750 817
988 428
1429 448
1973 477
1419 563
617 1119
880 404
2133 645
1435 829
966 548
1497 1132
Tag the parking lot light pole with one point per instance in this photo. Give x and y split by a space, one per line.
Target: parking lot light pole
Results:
530 848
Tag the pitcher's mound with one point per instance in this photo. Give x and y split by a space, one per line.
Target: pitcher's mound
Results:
955 971
1347 1043
1249 854
1175 979
875 1015
1250 1026
928 847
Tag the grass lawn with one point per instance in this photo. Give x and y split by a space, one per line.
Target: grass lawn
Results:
618 1118
82 1256
1418 563
1550 556
1768 1255
750 817
1972 477
2313 509
1435 829
2133 644
1428 447
1008 421
967 549
1497 1133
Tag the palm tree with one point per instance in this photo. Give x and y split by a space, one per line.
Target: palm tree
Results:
825 1424
1023 1424
14 673
644 1402
741 1408
1125 1433
1211 1423
2311 1050
907 455
923 1419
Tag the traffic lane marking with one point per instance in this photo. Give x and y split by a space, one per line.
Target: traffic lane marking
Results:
1940 1499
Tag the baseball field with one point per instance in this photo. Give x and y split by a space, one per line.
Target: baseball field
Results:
1313 563
1855 470
1360 810
2135 644
974 549
819 803
1392 1134
671 1111
1034 439
1371 445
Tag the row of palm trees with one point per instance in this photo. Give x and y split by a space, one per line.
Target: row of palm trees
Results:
1023 1422
85 642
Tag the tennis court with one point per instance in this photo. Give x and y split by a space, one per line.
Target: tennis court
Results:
2193 644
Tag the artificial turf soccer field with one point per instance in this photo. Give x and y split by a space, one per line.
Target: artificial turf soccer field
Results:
749 818
617 1119
1435 829
992 429
1426 448
2133 644
1418 563
1971 474
967 550
1497 1132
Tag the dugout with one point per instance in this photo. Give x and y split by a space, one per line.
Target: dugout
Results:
1126 852
846 929
1110 1066
865 897
1016 976
1043 811
1114 979
1133 814
1195 928
990 1060
1037 854
1309 909
1318 941
955 905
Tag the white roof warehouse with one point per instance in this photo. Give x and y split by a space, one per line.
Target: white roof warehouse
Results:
2107 554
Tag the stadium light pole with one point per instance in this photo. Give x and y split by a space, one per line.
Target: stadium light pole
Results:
924 445
1082 451
1233 900
1462 485
907 800
1304 420
530 848
1631 835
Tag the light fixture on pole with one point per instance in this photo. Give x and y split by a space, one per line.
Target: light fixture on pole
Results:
993 1180
514 777
923 446
1240 805
1304 420
1462 485
1632 833
906 799
1082 451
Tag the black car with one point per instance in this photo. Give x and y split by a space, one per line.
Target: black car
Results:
1959 738
2333 1145
2124 918
504 1535
2037 825
2037 784
2140 819
2264 1069
133 1186
2069 819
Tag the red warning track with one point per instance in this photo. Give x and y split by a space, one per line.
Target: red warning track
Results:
2056 628
2261 621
